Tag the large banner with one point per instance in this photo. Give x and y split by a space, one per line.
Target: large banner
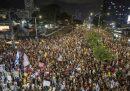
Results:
25 60
46 83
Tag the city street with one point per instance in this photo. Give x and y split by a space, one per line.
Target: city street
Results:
65 45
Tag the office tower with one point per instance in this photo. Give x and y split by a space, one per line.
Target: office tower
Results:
115 10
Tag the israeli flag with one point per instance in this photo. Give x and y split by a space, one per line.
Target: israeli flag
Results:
112 84
17 58
97 87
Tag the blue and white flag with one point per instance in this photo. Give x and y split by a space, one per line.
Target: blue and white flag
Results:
112 84
97 87
17 58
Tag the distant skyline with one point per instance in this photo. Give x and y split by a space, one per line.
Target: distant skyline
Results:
116 10
8 4
70 1
84 7
71 6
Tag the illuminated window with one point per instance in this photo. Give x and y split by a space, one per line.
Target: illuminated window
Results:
3 16
4 28
113 3
109 7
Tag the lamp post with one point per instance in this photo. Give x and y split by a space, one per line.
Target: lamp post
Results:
35 18
90 20
99 17
99 20
11 28
36 36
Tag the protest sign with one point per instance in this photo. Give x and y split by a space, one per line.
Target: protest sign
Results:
46 83
9 78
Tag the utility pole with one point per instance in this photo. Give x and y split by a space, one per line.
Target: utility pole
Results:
99 20
36 27
11 29
99 23
72 21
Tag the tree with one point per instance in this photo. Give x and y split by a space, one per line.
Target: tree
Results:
92 39
101 53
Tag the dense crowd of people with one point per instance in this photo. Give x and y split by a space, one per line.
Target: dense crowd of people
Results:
63 63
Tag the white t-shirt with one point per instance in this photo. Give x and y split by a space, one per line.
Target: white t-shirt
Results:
9 78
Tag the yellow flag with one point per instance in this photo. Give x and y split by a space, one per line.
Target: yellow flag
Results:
24 81
45 54
109 74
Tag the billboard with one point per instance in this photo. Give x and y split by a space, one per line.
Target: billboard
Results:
4 28
128 20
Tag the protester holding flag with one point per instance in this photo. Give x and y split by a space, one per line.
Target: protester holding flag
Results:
97 87
66 62
17 76
17 58
112 84
25 60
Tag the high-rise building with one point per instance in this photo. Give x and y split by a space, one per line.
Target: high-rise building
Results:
29 6
129 7
116 10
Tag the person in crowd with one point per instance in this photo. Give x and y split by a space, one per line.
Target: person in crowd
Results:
64 63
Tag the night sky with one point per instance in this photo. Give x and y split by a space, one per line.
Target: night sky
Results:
84 7
8 4
71 1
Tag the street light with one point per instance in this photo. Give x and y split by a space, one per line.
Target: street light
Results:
36 27
90 20
40 16
91 14
108 14
11 28
37 8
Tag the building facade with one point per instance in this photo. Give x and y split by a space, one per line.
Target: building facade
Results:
116 10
